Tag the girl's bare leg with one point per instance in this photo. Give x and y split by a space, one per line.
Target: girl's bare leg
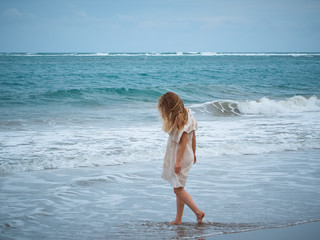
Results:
187 199
180 207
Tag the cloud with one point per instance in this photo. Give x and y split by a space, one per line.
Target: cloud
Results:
12 13
81 13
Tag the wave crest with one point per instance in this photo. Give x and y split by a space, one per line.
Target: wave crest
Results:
264 106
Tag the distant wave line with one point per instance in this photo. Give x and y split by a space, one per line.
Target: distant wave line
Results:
161 54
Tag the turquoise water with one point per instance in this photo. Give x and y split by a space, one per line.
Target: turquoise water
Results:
45 84
76 126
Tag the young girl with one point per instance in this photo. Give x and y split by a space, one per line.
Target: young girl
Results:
180 124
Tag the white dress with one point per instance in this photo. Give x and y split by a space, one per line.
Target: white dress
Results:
179 180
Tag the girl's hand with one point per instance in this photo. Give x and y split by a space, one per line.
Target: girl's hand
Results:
195 159
177 167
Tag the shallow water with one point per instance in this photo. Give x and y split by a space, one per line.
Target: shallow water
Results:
132 201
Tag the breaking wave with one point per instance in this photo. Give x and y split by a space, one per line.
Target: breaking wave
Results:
264 106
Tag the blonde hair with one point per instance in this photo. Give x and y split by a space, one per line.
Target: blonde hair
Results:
173 112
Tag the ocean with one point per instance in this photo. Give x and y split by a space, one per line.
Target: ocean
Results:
81 145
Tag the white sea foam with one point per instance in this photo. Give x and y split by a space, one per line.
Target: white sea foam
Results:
225 128
73 147
264 106
30 150
102 54
208 54
258 54
257 135
296 104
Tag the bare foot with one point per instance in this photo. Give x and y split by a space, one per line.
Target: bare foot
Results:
176 222
200 216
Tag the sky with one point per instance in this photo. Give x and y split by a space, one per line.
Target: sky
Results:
160 26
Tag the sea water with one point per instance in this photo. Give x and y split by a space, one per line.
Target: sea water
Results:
81 145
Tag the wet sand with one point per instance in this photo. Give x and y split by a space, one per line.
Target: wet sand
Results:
308 231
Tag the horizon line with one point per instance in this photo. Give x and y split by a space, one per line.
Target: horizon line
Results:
190 52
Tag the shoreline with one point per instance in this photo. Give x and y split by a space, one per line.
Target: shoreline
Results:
310 231
114 202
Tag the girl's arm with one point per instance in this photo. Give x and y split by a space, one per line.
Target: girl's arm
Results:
194 145
182 148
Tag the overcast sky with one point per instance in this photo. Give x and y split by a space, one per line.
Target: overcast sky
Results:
159 25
